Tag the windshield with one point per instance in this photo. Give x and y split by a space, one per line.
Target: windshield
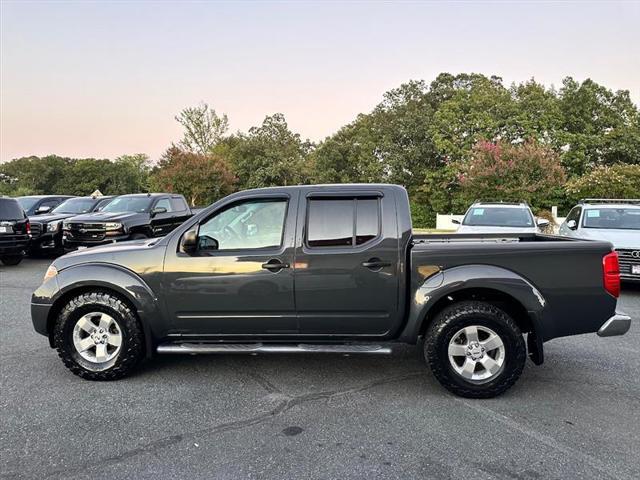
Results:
27 202
612 218
498 217
75 205
129 204
10 209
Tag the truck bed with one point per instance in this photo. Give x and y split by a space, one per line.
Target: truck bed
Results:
566 272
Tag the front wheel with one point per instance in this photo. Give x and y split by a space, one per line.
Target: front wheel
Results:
475 349
98 337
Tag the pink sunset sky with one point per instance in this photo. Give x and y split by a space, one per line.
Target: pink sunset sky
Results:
102 79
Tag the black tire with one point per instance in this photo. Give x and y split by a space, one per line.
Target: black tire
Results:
139 236
132 347
448 324
12 259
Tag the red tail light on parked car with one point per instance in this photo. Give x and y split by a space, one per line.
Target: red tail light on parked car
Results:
28 228
611 273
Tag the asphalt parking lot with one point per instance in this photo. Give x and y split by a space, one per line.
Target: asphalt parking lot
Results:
312 416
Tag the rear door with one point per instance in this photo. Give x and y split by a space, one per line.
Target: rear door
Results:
162 223
347 263
180 210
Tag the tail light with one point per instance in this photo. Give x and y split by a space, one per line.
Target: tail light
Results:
28 225
611 274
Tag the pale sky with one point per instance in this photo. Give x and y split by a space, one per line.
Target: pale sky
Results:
102 79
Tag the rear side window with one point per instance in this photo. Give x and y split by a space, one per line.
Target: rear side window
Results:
342 222
10 209
178 204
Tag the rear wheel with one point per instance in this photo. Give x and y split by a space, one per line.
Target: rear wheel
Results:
138 236
11 259
98 337
475 349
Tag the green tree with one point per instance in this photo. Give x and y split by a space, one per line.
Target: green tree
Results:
599 126
349 156
607 181
203 128
269 155
474 107
130 174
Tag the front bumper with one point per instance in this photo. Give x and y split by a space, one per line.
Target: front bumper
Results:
39 317
47 241
72 244
619 324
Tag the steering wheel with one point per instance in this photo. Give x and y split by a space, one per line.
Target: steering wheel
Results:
231 233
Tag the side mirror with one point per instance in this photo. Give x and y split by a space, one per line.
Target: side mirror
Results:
457 222
542 222
43 209
572 224
158 210
189 242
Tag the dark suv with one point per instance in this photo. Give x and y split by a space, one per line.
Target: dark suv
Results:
41 204
127 217
46 229
14 231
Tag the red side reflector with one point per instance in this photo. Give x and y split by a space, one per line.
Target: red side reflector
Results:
611 274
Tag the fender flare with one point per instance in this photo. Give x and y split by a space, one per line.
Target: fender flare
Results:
478 276
124 282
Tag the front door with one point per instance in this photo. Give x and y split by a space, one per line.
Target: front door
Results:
347 266
240 279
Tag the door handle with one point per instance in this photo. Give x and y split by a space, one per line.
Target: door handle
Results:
274 265
375 264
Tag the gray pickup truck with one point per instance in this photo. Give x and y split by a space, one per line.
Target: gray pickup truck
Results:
332 269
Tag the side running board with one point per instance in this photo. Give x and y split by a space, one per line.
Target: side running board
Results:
193 348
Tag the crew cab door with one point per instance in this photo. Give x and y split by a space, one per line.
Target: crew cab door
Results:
163 222
347 264
240 278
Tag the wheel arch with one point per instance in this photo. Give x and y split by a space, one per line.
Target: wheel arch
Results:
495 285
113 279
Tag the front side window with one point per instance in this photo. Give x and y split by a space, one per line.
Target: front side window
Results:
342 222
612 218
248 225
164 203
498 217
129 204
574 214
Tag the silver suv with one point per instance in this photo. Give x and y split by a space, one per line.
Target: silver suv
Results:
500 217
614 220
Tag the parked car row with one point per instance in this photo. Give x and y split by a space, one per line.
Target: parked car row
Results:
613 220
57 223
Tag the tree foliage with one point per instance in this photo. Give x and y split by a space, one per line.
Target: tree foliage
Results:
529 172
269 155
607 181
432 137
203 128
202 178
69 176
